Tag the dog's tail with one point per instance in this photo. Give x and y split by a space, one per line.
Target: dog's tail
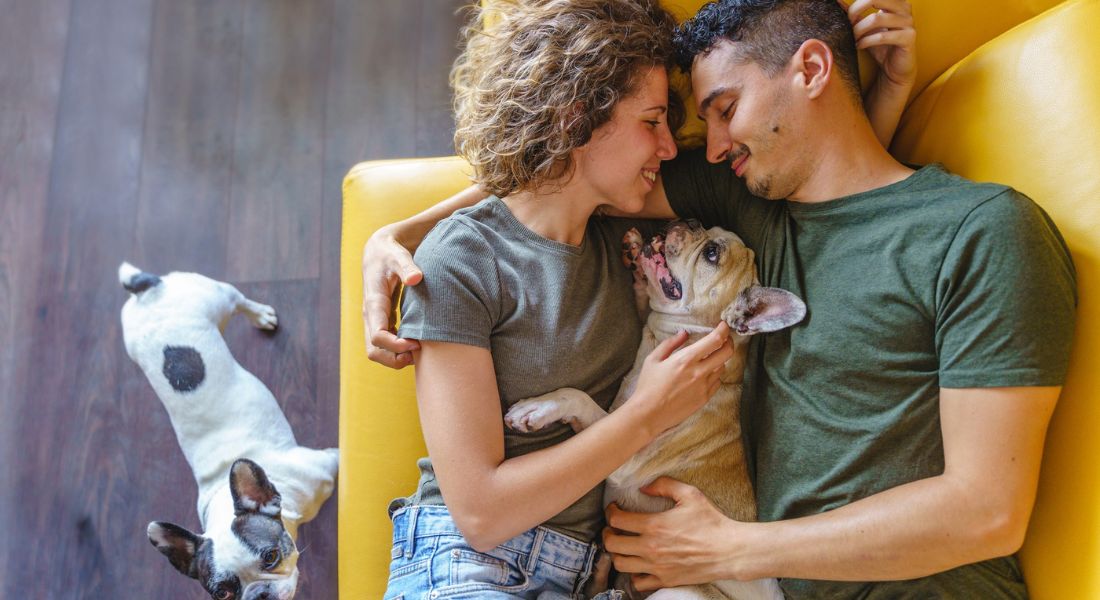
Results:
134 279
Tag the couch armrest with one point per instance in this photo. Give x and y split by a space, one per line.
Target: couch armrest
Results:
380 436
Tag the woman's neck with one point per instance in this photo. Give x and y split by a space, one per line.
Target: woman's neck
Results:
555 213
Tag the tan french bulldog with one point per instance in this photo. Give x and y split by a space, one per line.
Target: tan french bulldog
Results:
692 277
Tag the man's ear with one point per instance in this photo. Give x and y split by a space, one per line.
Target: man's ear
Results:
176 543
760 309
252 491
813 65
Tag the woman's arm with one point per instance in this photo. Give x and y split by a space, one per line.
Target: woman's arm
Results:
493 499
887 33
387 264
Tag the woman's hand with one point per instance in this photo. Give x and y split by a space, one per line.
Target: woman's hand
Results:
674 384
387 265
888 35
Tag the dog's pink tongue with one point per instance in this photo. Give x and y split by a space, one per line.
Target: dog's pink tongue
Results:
653 260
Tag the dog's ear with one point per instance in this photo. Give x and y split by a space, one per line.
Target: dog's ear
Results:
252 491
760 309
176 543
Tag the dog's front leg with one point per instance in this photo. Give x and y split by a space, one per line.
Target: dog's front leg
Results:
567 405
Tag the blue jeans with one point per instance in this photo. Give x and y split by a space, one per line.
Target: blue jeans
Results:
431 560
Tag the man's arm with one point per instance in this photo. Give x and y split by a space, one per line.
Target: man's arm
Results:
388 264
978 509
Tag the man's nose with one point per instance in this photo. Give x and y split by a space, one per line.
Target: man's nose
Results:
718 144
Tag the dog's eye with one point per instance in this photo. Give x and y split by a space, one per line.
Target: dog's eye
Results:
270 558
711 252
223 593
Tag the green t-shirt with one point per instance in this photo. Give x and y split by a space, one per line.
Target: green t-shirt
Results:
934 281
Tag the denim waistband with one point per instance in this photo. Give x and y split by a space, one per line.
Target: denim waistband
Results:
541 543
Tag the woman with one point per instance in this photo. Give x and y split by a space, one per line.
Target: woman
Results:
525 293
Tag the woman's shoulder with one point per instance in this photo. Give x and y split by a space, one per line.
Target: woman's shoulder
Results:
468 229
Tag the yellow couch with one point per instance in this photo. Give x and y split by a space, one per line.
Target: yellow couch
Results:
1007 92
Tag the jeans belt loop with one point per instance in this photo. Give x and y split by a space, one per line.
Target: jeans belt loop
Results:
586 571
536 547
410 535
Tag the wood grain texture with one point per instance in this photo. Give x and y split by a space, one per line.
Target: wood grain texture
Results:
207 135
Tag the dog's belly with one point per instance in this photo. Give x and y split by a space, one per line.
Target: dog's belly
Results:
704 451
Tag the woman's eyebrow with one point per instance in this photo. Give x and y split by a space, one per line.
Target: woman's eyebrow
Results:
660 108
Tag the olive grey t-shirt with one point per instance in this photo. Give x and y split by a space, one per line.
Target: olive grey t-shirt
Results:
553 315
934 281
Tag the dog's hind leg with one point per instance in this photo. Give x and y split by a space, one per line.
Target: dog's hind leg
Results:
567 405
260 315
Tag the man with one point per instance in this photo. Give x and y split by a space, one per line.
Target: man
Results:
896 434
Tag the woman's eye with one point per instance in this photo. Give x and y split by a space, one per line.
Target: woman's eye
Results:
654 124
270 558
710 253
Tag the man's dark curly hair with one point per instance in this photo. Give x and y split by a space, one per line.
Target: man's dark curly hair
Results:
769 32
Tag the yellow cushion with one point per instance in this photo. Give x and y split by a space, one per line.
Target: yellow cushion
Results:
379 428
1022 110
1025 110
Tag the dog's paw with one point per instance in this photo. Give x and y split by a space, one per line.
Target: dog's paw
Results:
263 316
534 414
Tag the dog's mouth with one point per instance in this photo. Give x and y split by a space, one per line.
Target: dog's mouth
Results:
653 255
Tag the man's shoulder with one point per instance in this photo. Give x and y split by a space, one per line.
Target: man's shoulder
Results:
949 197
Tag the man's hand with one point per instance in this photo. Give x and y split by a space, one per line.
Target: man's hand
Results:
888 35
386 265
691 543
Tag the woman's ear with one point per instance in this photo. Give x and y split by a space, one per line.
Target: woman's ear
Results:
813 67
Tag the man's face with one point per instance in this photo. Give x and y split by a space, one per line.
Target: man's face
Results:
753 121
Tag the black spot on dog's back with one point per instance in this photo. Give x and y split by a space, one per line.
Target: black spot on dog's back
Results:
183 368
141 282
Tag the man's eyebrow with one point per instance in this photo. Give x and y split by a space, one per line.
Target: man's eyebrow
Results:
714 96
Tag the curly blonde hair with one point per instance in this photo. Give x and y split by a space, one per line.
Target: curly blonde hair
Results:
533 84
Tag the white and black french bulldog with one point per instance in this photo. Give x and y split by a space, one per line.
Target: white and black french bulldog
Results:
228 424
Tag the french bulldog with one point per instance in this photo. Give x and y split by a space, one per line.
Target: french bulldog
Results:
692 278
228 424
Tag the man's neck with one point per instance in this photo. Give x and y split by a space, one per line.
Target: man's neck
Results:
851 160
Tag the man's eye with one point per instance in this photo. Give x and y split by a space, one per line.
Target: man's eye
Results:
726 114
710 253
270 558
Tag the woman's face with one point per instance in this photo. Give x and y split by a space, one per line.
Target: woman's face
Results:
619 164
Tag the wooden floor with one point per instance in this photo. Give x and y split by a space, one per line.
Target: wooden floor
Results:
205 135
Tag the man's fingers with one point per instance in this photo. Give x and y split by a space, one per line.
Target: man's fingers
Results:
630 564
645 582
390 359
386 340
626 521
667 487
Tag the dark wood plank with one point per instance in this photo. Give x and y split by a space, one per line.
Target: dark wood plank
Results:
75 477
207 135
36 33
278 148
440 23
187 171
